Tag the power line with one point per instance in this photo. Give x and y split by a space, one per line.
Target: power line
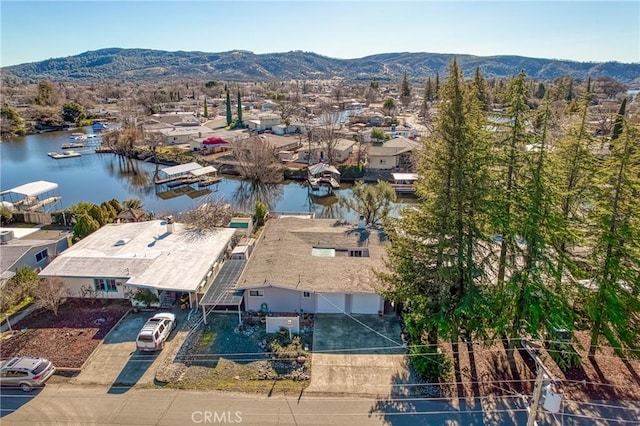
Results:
606 419
598 404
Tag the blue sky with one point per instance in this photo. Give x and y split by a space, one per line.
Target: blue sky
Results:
577 30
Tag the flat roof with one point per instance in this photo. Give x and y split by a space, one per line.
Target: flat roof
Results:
404 176
152 257
203 171
32 189
180 168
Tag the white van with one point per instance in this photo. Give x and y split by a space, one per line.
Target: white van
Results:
156 331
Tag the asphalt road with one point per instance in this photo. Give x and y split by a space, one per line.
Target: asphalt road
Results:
99 405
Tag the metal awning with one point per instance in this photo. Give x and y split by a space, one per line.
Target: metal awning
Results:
32 189
222 291
203 171
180 169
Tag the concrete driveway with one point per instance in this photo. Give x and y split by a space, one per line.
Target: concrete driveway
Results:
116 361
358 354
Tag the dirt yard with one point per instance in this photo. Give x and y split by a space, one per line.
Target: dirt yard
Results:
223 356
66 339
484 370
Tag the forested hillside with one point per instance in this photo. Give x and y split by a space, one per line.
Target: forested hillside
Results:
144 65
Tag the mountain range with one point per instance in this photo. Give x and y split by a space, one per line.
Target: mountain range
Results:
116 64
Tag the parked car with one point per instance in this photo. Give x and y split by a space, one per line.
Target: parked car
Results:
25 372
156 331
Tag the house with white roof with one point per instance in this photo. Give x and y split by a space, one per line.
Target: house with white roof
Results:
160 256
183 134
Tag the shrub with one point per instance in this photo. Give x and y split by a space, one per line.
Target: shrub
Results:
351 172
146 297
285 350
429 362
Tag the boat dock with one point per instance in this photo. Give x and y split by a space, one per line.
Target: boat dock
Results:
403 183
64 154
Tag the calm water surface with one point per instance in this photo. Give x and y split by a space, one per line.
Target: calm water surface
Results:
101 177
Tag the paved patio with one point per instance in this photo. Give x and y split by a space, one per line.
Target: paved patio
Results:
358 355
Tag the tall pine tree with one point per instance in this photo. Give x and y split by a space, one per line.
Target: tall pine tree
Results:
435 259
229 117
614 307
405 91
239 122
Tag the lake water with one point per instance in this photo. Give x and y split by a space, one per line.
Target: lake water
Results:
100 177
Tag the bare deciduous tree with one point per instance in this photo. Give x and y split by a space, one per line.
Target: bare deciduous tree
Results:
257 160
211 213
51 294
329 122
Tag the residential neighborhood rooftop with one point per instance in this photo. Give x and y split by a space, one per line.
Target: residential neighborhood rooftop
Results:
286 256
145 253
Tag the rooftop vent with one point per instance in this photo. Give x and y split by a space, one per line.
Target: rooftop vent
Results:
122 241
170 227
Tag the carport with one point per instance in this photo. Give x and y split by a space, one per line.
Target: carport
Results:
222 293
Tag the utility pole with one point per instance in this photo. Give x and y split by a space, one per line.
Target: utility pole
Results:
542 374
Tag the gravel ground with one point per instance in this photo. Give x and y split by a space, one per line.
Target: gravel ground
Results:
67 339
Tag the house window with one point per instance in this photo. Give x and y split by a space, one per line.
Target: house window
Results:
105 284
42 256
360 252
306 294
256 293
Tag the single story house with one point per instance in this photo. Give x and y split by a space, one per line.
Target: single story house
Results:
212 143
315 266
174 117
161 256
394 154
29 247
342 150
281 143
183 134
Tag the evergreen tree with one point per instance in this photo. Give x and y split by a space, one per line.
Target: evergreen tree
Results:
570 94
10 122
229 117
534 304
206 110
428 90
614 307
510 163
73 112
239 123
540 91
575 166
617 126
481 88
405 91
436 248
436 93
